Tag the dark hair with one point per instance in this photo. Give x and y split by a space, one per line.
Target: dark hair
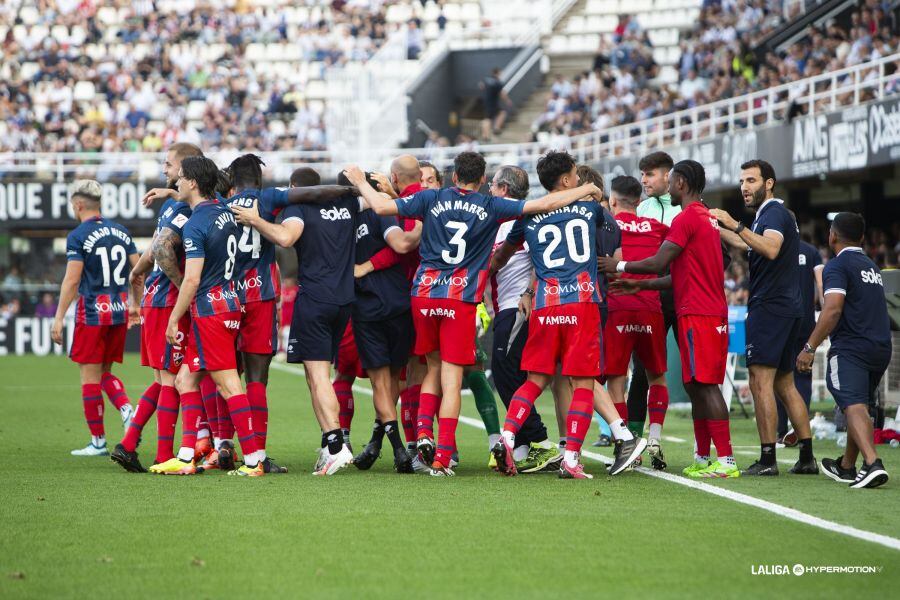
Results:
765 169
655 160
437 172
246 171
342 180
628 188
693 173
224 182
469 167
203 171
515 180
587 174
305 177
849 226
552 166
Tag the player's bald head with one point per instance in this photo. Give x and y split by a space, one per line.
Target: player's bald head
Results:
405 171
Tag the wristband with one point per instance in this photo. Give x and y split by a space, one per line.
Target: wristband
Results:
739 228
620 266
808 349
529 291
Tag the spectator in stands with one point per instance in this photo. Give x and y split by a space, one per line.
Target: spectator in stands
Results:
493 96
47 307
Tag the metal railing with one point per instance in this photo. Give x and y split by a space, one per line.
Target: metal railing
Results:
823 93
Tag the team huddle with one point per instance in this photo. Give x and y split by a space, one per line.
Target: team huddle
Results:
393 274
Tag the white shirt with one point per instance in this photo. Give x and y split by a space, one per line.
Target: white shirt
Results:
510 282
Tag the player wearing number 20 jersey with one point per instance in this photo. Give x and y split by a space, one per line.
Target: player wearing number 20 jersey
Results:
564 325
212 234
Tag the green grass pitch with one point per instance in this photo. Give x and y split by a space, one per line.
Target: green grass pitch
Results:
82 527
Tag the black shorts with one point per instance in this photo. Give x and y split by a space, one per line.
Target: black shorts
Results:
852 380
316 329
770 339
385 343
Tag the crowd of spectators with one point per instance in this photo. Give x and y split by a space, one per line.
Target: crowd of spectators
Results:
58 93
718 60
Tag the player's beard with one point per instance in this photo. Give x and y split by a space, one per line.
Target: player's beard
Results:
757 198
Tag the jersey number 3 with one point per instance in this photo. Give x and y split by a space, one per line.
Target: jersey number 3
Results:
457 241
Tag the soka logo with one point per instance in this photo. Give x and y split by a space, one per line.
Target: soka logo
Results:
871 276
438 312
635 226
335 214
452 280
632 328
559 320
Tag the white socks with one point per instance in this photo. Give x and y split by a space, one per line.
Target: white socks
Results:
619 431
510 437
520 453
655 431
571 458
727 461
186 454
98 440
493 439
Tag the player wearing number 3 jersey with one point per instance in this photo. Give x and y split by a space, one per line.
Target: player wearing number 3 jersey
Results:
458 232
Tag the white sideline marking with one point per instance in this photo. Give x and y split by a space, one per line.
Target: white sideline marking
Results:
782 511
672 438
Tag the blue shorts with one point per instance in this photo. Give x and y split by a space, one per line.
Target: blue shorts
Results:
770 339
851 381
316 329
385 343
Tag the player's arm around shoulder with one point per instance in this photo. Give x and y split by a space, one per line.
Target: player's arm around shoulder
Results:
381 203
556 200
403 242
284 234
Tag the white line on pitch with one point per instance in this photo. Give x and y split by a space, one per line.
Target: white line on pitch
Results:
783 511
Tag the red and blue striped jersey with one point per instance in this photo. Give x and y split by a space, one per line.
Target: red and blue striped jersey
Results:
458 231
104 247
563 248
212 234
159 292
257 277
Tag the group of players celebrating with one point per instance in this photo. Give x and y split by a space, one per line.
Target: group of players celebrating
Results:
392 271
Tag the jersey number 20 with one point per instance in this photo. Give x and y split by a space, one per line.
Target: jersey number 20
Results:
573 230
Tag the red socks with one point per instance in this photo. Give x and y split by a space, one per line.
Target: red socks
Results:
520 406
344 392
166 415
622 409
578 421
92 399
657 404
259 408
721 436
208 393
191 412
428 407
409 411
145 409
241 416
446 440
226 425
702 437
114 389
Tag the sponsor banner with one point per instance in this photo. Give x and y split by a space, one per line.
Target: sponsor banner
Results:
31 335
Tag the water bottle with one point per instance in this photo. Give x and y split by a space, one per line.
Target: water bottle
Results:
895 443
842 440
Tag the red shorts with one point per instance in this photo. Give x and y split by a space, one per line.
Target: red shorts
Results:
347 362
446 325
568 334
259 328
627 331
156 352
212 343
98 344
703 343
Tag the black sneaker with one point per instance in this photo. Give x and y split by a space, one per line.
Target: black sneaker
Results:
870 476
602 442
761 470
269 466
810 467
402 461
226 456
628 452
128 460
832 468
365 459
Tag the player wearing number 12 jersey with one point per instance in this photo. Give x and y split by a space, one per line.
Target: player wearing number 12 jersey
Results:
565 323
100 254
458 232
207 290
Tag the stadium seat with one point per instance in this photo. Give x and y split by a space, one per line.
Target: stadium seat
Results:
83 91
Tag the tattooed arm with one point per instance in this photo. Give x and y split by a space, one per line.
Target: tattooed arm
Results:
165 252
